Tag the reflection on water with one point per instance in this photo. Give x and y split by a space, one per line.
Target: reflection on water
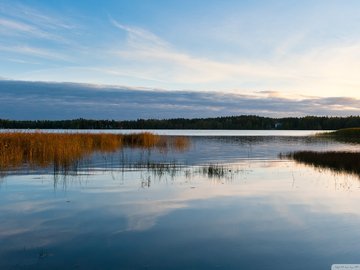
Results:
224 203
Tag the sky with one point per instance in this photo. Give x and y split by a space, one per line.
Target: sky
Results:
293 51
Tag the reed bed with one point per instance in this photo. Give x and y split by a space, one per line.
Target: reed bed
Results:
144 140
63 150
179 143
347 135
149 140
348 162
347 132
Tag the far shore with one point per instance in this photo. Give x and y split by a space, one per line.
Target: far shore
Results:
242 122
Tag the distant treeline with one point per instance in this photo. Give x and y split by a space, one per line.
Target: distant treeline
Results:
232 122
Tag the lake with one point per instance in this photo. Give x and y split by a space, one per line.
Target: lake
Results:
229 200
183 132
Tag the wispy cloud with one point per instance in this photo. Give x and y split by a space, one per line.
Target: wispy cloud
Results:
35 52
139 37
53 21
26 31
329 68
177 66
12 27
49 20
21 61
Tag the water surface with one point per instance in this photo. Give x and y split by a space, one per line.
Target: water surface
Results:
183 132
227 202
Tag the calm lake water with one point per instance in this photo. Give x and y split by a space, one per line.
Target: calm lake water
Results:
182 132
226 202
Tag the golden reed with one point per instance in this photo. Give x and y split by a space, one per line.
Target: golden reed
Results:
62 150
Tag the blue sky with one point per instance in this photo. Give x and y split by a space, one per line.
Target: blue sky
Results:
295 50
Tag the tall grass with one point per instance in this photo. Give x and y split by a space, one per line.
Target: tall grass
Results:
63 150
149 140
348 132
179 143
346 135
145 140
348 162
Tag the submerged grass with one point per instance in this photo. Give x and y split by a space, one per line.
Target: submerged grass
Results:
63 150
344 162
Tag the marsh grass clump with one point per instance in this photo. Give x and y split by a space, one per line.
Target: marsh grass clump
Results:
214 170
220 171
179 143
347 132
45 149
149 140
348 162
144 140
161 169
65 150
350 135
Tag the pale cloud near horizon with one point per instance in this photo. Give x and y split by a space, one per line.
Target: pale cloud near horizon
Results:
41 100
